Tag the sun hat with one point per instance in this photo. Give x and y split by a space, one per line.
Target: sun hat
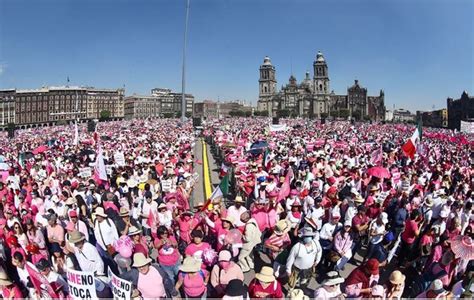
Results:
282 227
374 188
76 237
235 288
463 246
372 266
378 290
239 199
161 206
124 212
133 231
139 260
190 265
229 219
437 287
311 222
99 211
333 278
397 277
359 199
4 280
224 255
265 275
297 294
307 231
429 201
70 201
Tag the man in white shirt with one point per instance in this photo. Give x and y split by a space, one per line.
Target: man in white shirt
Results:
236 210
87 255
104 229
44 267
148 206
303 256
20 263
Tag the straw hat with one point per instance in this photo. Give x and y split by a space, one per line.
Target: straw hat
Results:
99 211
4 280
265 275
298 294
282 227
190 265
229 219
161 206
333 278
397 277
307 231
139 260
359 199
76 237
124 212
429 201
133 231
70 201
239 199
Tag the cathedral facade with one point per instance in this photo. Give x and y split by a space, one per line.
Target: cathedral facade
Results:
313 98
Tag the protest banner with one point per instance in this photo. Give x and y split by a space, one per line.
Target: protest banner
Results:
121 289
85 172
81 285
119 158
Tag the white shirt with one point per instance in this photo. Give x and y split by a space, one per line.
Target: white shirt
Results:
89 259
438 203
165 219
236 213
105 233
304 257
147 207
317 215
321 293
327 231
379 231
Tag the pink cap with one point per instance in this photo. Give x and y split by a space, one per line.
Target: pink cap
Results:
70 226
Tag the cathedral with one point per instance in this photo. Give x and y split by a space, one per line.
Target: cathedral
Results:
312 97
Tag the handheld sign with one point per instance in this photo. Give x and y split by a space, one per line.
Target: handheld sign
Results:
121 289
81 285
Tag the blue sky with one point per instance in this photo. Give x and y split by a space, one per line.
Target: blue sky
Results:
419 51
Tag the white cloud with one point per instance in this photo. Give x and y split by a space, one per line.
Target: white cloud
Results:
3 67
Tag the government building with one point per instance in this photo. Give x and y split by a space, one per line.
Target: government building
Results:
313 98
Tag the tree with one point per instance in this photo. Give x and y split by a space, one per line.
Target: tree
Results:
105 115
168 115
261 113
284 113
188 115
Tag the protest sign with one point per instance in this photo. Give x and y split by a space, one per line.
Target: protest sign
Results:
85 172
121 289
119 159
81 284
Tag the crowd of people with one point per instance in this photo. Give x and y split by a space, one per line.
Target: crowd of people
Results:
335 210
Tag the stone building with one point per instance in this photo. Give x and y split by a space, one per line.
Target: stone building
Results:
7 108
313 97
171 102
435 118
48 105
459 110
206 109
140 107
403 116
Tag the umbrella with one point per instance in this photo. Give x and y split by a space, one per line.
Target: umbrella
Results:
258 147
40 149
4 166
379 172
463 246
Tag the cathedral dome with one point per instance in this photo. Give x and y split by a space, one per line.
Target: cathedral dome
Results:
267 61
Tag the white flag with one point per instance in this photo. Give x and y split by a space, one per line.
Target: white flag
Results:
100 170
76 135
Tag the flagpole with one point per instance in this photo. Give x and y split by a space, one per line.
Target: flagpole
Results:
183 75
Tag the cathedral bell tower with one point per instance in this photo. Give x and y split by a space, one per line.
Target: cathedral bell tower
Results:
321 77
267 85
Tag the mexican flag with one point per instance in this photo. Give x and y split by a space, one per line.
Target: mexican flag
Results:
409 148
267 158
221 191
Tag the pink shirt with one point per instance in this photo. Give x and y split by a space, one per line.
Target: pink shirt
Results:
196 251
168 255
193 285
150 285
261 216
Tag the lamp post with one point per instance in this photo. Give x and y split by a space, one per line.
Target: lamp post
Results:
183 76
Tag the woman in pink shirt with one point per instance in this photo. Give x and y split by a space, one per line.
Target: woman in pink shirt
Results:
168 254
186 223
193 279
221 228
35 236
197 247
8 289
138 240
